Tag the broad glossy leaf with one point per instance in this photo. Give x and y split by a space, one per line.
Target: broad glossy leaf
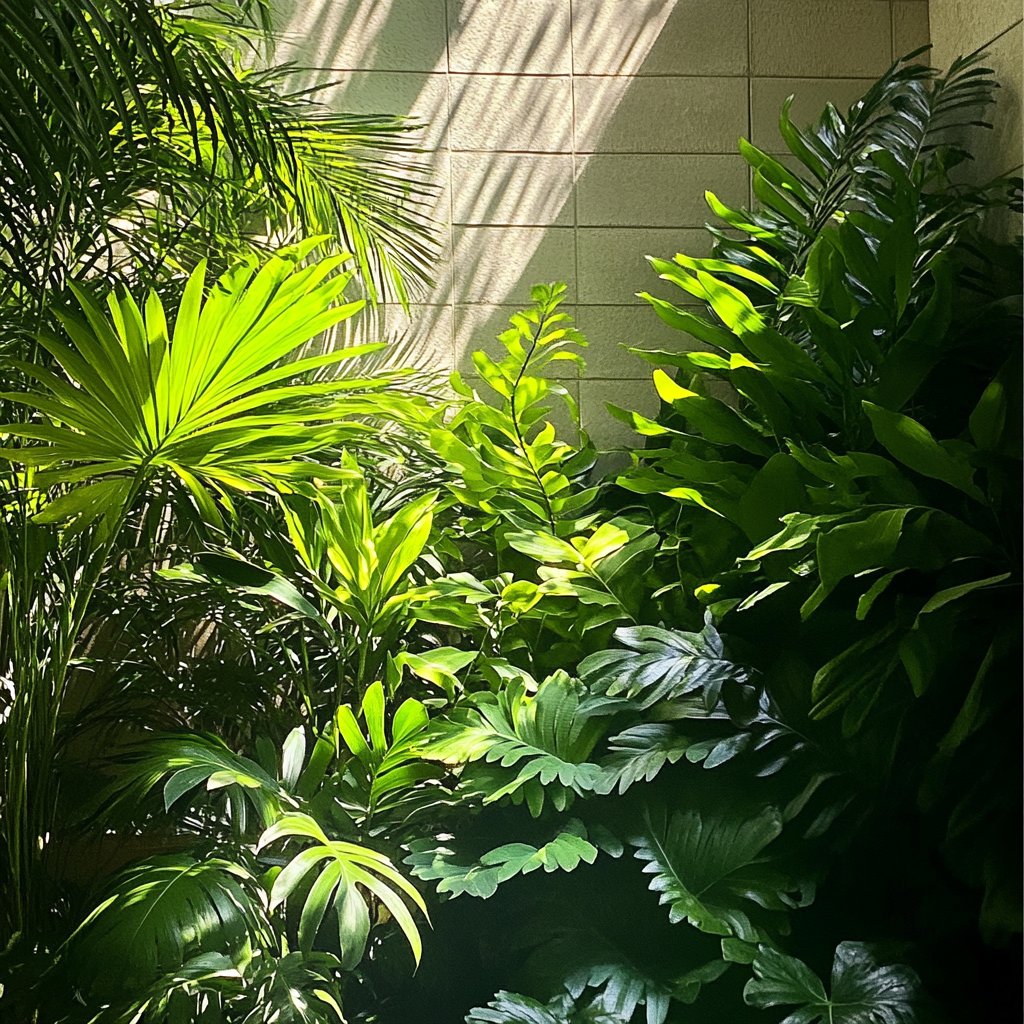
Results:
715 420
863 991
710 869
854 678
911 443
849 548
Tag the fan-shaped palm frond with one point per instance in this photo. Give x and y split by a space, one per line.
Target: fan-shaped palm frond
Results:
349 866
188 761
208 403
159 915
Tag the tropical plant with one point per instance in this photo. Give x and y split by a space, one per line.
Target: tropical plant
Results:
491 447
282 886
772 660
141 412
137 142
870 565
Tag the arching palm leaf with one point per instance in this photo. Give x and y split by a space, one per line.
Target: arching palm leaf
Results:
348 867
159 915
133 145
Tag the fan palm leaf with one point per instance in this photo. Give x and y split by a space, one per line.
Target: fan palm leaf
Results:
158 916
209 403
350 868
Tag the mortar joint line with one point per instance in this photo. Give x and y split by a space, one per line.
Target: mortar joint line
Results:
575 195
454 355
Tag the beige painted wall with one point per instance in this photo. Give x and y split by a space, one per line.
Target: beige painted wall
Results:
571 137
962 26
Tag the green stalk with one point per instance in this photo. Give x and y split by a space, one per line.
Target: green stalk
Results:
40 677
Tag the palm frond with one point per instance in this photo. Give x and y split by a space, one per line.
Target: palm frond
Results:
133 146
158 916
209 402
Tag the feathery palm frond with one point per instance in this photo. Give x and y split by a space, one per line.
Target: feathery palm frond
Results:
134 144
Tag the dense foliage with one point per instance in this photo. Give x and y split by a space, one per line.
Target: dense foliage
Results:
345 666
139 138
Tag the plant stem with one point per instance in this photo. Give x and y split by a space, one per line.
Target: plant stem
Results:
524 447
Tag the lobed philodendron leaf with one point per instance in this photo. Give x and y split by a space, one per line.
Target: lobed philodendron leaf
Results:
659 664
513 1008
622 989
641 751
711 870
432 860
863 991
549 736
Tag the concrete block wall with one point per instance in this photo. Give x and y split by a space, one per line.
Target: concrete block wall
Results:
572 137
962 26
